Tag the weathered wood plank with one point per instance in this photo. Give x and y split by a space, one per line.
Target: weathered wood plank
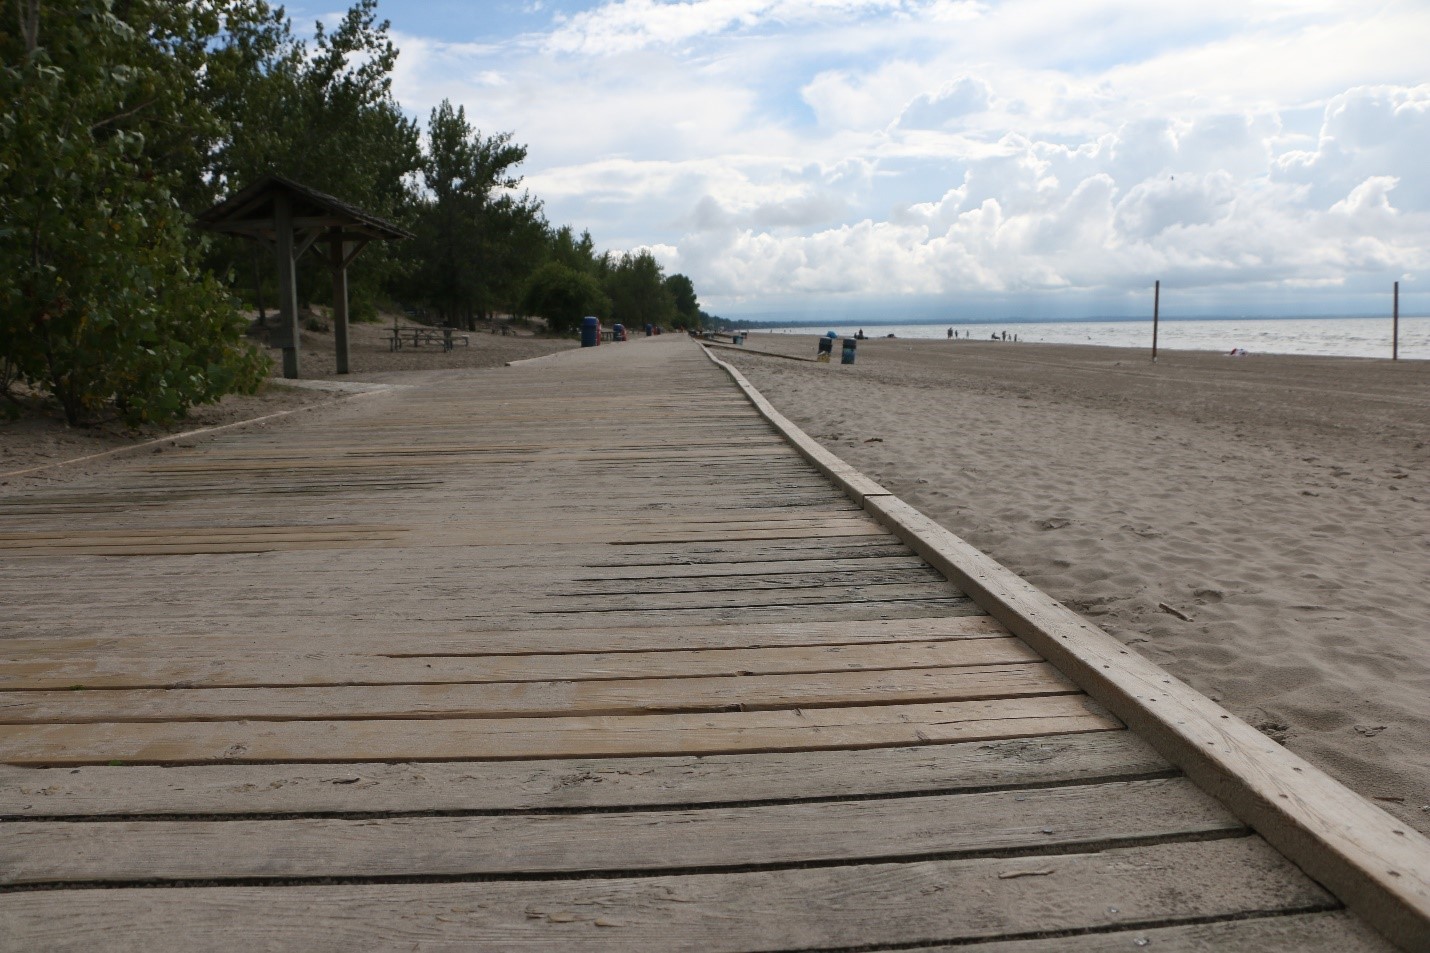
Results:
576 783
413 642
840 907
180 540
1037 820
536 699
833 592
583 558
117 670
490 739
571 578
1336 932
742 582
293 620
499 602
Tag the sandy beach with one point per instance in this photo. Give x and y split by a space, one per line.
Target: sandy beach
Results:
1260 526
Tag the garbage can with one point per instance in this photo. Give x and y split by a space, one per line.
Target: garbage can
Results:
826 349
618 333
649 330
847 356
590 331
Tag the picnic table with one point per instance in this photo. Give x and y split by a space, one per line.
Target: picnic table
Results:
418 335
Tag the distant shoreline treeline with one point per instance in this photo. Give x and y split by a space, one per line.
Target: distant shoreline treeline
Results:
122 119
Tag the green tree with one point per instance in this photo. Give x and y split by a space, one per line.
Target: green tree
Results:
322 115
563 296
470 222
635 283
102 298
687 306
574 252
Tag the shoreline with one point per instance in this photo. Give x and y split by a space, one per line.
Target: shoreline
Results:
1259 526
1361 337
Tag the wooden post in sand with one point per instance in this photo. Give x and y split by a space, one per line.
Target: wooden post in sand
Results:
1395 323
1156 313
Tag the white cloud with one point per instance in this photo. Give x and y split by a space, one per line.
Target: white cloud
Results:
776 148
620 27
951 103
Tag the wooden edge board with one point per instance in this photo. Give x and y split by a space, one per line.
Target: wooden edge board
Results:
1377 865
747 350
855 484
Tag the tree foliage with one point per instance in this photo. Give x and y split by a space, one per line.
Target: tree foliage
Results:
470 226
122 118
687 305
102 298
635 283
322 115
563 296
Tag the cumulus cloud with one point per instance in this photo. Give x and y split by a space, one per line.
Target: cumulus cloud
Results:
1367 131
949 104
778 148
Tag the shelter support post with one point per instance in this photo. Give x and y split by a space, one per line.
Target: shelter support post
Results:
294 218
286 334
338 263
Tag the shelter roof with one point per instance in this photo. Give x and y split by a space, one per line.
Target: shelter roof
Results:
250 213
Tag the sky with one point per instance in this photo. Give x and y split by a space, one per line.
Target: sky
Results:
963 159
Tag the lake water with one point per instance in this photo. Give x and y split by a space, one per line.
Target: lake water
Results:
1345 337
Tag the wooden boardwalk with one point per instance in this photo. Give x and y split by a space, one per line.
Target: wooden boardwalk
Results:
581 655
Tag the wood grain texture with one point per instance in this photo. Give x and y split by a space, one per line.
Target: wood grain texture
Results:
479 640
258 789
535 699
1305 933
841 907
507 738
116 670
705 839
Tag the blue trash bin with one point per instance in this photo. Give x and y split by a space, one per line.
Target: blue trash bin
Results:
846 356
590 331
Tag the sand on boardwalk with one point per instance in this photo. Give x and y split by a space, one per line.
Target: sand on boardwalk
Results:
39 440
1280 504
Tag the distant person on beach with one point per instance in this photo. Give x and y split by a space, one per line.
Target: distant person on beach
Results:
950 334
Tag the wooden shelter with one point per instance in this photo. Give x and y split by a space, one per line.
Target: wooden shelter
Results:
291 218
